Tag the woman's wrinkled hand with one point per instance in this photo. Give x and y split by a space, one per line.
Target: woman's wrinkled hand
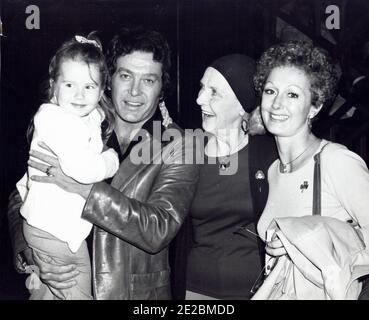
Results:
275 247
55 175
255 123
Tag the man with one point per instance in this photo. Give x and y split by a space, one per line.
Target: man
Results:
138 215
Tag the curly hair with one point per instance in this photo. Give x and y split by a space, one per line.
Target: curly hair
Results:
312 60
140 39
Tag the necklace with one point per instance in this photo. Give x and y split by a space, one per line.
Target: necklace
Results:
224 161
287 167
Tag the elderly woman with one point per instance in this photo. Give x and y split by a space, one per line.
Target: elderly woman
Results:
223 260
295 79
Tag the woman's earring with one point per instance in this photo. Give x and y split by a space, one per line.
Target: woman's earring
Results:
309 122
167 120
244 121
245 125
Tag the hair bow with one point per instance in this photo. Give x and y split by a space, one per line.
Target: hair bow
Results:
82 39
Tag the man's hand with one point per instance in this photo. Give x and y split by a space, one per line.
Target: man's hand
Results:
55 173
54 275
23 259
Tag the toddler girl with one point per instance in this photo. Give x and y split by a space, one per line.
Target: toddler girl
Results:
70 125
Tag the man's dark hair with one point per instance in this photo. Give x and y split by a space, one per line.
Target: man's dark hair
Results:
140 39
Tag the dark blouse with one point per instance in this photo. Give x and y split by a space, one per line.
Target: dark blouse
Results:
223 263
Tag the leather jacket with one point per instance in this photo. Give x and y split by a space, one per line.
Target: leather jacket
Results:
135 219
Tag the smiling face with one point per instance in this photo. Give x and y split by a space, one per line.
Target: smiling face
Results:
219 104
77 87
136 86
286 102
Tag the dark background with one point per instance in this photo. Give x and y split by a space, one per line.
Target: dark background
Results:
198 31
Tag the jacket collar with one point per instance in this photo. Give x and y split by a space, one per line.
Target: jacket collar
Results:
128 170
148 127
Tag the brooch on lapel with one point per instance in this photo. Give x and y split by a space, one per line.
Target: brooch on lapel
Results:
259 175
304 186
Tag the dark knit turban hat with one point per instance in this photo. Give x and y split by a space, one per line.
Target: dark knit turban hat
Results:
239 70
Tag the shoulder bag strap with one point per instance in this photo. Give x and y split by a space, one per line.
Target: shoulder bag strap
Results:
317 192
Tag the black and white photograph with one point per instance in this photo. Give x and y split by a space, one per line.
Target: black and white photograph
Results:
201 151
